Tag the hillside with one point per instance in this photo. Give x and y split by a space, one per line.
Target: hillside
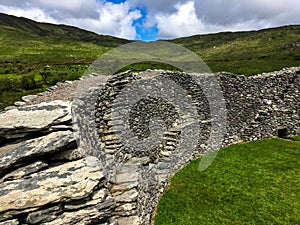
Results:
249 52
34 56
62 31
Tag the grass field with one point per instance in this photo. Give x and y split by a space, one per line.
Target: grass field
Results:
249 183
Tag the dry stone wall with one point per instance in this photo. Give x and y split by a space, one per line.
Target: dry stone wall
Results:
65 162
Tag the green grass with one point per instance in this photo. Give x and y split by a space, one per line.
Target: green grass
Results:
296 138
29 49
249 183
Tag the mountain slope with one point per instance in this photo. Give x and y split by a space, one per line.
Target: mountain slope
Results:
248 52
62 31
28 48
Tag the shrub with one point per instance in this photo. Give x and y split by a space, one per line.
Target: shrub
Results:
9 84
28 82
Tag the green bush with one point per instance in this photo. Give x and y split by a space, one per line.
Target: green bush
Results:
9 84
28 82
54 79
45 75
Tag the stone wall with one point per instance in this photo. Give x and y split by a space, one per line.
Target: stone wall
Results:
66 162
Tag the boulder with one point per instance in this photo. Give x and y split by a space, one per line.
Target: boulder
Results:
29 98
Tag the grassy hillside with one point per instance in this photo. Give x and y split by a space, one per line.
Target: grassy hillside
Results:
28 48
62 31
30 63
36 55
247 52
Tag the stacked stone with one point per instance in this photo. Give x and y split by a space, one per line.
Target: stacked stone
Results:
104 104
123 175
140 177
258 106
45 178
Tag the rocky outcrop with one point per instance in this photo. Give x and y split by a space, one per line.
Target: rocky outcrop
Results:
22 121
37 148
63 183
105 158
45 177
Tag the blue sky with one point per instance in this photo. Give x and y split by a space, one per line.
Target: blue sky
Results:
144 33
158 19
117 1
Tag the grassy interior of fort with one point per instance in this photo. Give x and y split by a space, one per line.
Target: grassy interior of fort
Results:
248 183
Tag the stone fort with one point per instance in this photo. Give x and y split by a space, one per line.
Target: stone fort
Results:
106 156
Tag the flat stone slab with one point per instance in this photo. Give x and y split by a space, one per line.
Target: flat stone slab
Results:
24 171
51 143
67 182
89 215
10 222
18 122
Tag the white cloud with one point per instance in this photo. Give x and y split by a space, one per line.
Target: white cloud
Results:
34 13
117 19
277 12
101 17
154 6
183 22
207 16
65 9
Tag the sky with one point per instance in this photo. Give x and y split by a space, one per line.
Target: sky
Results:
158 19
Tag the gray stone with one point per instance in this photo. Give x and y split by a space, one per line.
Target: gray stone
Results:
70 155
132 220
121 187
100 195
29 98
90 215
60 128
10 222
51 143
25 171
19 103
128 196
18 122
13 213
67 182
45 215
128 209
9 107
127 177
